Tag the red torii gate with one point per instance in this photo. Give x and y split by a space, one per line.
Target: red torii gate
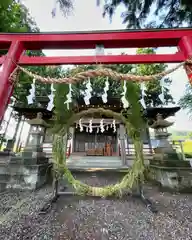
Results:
17 43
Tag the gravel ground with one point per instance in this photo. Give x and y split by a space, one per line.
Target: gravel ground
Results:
96 219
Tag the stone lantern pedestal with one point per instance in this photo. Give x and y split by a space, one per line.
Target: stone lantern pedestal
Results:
30 169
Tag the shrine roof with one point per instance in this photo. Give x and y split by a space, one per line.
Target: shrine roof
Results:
31 112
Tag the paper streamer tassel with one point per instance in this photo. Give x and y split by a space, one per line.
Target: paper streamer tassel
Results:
143 94
123 98
31 96
80 125
161 96
69 96
106 89
88 91
51 99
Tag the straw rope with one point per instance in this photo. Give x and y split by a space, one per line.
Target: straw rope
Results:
106 72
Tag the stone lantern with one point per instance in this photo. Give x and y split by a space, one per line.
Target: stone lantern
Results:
31 169
160 126
34 145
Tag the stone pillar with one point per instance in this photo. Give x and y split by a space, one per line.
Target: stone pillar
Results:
33 151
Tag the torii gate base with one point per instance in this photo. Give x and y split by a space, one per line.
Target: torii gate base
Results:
17 44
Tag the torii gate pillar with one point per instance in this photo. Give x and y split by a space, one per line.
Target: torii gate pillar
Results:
185 45
8 66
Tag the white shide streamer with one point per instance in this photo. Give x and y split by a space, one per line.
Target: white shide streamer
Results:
123 98
69 96
90 126
143 94
114 126
88 91
51 98
31 96
161 96
102 126
80 125
106 89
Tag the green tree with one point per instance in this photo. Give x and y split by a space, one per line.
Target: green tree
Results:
186 100
154 88
143 13
15 17
138 13
66 7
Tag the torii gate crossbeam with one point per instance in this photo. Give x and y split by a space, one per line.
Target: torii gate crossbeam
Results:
17 43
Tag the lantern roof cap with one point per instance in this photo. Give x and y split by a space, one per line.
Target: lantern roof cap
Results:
160 122
38 120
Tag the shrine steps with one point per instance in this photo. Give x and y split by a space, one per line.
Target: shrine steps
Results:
130 159
86 162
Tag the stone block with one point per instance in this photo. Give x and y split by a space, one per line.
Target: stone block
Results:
3 186
29 177
30 159
172 178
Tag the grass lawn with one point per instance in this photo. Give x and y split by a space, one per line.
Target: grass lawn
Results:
187 146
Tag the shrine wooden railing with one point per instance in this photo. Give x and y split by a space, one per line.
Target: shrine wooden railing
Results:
148 150
130 150
48 150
